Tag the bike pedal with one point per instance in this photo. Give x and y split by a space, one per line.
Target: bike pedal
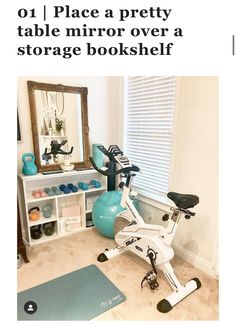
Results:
151 278
154 285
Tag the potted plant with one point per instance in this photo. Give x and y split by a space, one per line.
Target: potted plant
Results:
60 123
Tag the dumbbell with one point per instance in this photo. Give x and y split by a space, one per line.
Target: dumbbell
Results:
65 189
56 190
73 187
39 193
49 191
53 191
86 186
34 213
36 232
95 183
83 186
48 228
69 188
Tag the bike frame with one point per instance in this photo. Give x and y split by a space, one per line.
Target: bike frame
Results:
147 240
167 232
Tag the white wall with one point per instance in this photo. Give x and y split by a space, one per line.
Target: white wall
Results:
196 168
103 109
195 171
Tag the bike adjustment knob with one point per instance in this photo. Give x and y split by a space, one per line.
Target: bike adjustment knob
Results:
165 217
121 185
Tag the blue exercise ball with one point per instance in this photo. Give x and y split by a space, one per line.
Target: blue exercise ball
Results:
104 212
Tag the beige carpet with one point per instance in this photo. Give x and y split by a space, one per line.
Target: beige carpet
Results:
55 258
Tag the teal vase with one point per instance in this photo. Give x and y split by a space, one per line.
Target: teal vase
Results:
97 155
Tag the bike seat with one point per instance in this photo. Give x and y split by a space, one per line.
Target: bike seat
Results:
183 201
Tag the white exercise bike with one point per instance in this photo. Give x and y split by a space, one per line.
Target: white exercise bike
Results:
150 242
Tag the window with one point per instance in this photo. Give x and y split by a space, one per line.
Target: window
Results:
149 110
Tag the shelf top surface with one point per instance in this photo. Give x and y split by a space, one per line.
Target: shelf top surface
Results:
52 136
64 174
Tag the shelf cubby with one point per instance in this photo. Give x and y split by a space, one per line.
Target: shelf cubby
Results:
27 184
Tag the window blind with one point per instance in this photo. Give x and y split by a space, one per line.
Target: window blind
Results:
148 125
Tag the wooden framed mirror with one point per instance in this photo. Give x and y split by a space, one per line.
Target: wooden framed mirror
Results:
60 114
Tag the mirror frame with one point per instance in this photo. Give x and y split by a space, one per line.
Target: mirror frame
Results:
83 91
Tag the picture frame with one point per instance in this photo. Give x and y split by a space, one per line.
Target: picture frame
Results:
18 128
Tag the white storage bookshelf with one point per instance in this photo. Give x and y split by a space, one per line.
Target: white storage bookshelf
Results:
27 184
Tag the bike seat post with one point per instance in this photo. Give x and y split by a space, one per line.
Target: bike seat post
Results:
178 211
170 230
176 214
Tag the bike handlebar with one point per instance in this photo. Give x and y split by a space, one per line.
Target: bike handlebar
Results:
110 170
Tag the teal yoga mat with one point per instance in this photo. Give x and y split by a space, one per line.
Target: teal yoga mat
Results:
79 295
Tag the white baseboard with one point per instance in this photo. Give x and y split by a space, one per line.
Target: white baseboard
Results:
195 260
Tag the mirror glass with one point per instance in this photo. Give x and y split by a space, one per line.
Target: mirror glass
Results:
59 116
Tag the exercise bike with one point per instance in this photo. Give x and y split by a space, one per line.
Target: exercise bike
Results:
148 241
